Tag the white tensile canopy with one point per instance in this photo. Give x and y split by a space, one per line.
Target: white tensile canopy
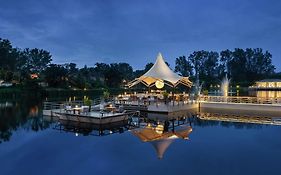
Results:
160 72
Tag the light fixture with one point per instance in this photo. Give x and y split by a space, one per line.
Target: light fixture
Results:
159 84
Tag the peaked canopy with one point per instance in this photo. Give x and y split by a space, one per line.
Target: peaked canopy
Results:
161 72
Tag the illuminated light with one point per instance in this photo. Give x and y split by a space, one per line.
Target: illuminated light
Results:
76 134
159 84
34 76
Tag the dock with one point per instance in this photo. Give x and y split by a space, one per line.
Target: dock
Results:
84 115
158 106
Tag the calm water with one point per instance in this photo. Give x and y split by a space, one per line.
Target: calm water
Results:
30 145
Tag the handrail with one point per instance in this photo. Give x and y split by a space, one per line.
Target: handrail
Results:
232 99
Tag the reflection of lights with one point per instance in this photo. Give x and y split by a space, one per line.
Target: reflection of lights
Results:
33 111
110 132
159 129
159 84
174 137
76 134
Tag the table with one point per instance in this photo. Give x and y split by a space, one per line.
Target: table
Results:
111 109
78 109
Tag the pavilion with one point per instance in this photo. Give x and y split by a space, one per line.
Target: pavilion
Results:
160 75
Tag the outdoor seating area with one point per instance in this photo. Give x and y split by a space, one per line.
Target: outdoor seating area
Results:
146 98
78 108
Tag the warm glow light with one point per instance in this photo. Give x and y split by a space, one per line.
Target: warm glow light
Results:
33 76
159 84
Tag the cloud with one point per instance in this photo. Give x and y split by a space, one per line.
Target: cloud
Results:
135 31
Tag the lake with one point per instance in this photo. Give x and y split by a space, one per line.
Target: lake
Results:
31 144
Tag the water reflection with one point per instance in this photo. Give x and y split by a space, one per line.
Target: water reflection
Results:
160 138
24 113
87 129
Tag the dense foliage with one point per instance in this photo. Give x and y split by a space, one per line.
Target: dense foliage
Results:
242 66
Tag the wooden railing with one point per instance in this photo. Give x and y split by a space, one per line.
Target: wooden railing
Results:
251 100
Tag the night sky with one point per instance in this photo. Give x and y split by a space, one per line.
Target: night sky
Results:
90 31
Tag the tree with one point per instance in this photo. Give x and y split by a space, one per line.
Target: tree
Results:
225 59
246 66
56 75
184 66
37 60
210 68
126 71
8 55
197 59
138 73
8 59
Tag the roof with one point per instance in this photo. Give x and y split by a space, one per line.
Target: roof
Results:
161 71
270 80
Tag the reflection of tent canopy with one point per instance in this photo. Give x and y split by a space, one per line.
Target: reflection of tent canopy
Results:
161 141
160 72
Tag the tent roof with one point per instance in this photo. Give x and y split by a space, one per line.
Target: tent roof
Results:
160 71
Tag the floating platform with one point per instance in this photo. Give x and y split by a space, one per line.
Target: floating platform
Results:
93 117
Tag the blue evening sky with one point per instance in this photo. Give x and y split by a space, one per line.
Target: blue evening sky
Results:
134 31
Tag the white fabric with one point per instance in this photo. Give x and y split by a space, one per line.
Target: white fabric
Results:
160 70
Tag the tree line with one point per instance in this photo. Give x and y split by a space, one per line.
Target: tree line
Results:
242 66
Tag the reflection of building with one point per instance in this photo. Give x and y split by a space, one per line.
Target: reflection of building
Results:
160 139
81 128
267 84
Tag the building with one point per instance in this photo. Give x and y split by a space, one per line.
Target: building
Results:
267 84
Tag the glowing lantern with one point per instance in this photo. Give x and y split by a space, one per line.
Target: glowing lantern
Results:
159 84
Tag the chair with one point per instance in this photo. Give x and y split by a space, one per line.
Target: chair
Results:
68 109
